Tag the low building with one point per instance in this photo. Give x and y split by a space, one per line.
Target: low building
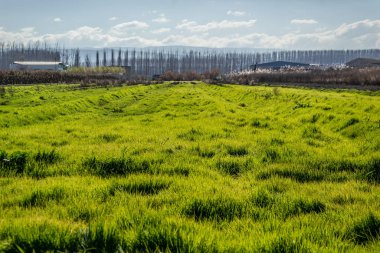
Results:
37 65
364 63
279 65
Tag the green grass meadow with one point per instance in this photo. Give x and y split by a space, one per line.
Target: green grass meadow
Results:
189 167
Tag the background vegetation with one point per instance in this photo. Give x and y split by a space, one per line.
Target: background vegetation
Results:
189 167
366 78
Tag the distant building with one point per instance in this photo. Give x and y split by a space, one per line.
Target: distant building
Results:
279 65
364 63
37 65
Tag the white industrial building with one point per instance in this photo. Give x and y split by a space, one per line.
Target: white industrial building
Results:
37 65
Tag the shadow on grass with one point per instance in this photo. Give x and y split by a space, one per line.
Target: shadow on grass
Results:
364 230
216 209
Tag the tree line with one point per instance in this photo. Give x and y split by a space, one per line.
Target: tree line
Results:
149 62
37 51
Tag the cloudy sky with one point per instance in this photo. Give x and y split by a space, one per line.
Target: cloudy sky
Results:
282 24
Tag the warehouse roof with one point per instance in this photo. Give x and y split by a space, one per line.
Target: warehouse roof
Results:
31 63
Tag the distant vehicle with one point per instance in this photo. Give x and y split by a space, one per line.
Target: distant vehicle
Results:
37 65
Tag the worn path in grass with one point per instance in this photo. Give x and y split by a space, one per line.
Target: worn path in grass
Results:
189 167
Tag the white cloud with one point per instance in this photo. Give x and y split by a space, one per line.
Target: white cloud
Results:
366 24
161 19
304 22
57 20
236 13
357 35
123 28
112 19
161 30
225 24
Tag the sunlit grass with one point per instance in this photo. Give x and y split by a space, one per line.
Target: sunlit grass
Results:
189 167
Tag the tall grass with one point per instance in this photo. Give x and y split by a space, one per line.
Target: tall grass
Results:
214 209
365 230
188 167
116 166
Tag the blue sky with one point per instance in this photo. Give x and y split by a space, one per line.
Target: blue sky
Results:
282 24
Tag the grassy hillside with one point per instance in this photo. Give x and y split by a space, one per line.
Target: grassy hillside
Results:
190 168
